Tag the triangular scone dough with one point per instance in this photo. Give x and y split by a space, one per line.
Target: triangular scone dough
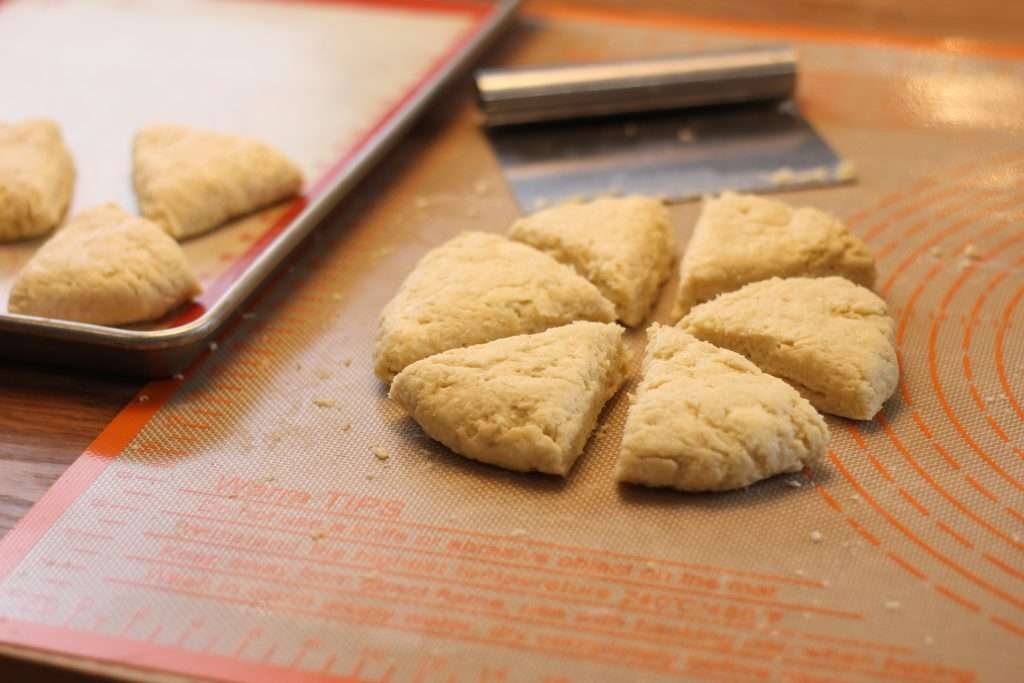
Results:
523 403
475 288
105 267
625 246
742 238
190 181
706 419
831 339
36 177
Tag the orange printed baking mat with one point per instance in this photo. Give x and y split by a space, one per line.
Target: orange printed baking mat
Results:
238 524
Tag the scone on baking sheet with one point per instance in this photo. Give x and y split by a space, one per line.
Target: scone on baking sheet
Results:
190 181
707 419
745 238
475 288
829 338
36 178
625 246
105 267
524 403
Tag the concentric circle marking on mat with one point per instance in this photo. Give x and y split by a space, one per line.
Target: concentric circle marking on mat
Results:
921 543
922 426
937 384
957 174
1004 325
953 228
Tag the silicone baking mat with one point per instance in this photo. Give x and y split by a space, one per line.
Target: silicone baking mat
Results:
274 515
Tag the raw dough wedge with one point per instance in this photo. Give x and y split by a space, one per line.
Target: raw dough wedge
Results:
524 403
476 288
707 419
105 267
831 339
743 238
625 246
36 178
190 181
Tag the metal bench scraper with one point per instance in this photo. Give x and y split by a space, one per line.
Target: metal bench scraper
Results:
677 127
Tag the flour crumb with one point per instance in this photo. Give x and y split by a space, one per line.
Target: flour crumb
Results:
794 483
893 605
649 564
214 346
347 362
318 534
481 187
323 402
971 253
323 374
783 176
421 202
846 170
816 537
380 453
936 251
854 497
928 640
990 399
143 398
370 477
346 427
800 572
517 533
179 376
685 135
337 297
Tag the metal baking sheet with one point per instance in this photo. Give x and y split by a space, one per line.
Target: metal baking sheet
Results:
333 84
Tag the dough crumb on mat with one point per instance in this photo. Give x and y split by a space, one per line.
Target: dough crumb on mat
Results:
846 170
105 267
37 175
832 340
817 537
626 247
379 453
707 419
324 402
475 288
191 181
528 402
741 239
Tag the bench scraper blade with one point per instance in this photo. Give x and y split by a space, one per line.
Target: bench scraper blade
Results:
677 128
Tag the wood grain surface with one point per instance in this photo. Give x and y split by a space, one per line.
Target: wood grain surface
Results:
48 416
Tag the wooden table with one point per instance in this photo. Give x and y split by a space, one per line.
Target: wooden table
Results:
48 416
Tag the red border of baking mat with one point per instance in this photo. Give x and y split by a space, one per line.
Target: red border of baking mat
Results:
127 424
